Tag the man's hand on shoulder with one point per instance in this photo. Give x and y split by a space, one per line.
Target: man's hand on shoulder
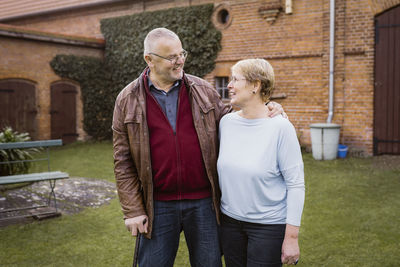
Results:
276 109
135 224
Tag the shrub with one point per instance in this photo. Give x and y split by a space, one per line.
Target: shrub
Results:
10 136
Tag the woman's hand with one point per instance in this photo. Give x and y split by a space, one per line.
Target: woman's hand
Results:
290 246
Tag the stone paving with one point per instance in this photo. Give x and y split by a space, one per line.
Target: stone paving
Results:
73 195
386 162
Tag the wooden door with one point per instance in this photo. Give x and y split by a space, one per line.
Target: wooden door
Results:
387 83
63 112
18 106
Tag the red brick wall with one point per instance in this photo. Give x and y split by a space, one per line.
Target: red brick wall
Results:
29 60
356 52
293 45
297 45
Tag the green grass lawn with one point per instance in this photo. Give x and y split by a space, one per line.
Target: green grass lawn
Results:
350 218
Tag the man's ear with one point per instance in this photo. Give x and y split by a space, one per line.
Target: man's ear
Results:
148 60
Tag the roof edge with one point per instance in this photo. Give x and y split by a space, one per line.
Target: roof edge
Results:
59 9
31 34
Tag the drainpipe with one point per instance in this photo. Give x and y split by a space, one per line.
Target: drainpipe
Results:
331 60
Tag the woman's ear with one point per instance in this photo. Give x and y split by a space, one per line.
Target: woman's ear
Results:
257 85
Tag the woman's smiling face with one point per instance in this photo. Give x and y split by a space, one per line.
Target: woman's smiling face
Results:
240 90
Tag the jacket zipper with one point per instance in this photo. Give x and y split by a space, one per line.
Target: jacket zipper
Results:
178 155
213 192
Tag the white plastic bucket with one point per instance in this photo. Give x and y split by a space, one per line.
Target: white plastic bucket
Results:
324 140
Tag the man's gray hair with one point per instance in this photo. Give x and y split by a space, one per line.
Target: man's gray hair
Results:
155 34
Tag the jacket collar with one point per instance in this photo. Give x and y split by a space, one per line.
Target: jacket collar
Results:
192 85
198 95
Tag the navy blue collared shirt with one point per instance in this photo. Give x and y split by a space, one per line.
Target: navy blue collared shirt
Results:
168 101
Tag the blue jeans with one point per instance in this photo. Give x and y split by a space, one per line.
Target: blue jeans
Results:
251 244
197 220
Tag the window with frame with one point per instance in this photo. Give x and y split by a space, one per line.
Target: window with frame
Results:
221 83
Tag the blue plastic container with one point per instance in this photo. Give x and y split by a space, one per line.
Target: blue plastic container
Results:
342 151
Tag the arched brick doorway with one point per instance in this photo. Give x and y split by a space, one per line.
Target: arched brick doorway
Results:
63 112
18 106
387 83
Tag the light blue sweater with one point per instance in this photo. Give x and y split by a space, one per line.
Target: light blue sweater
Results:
260 170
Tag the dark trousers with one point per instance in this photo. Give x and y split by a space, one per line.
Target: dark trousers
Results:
196 218
251 244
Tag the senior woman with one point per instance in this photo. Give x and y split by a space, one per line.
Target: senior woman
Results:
261 174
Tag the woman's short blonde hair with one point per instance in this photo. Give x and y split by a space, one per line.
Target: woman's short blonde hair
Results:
257 70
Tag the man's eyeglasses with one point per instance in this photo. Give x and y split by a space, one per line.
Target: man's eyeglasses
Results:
173 59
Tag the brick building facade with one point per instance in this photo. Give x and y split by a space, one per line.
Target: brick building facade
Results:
292 35
25 60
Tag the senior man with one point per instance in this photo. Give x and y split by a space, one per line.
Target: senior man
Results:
165 152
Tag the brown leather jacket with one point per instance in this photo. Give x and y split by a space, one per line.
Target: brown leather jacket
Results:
132 161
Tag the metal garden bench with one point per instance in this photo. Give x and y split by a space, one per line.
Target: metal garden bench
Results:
39 211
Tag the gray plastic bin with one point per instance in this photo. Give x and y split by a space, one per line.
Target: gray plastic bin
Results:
324 140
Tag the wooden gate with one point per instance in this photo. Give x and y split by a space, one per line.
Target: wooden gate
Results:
18 106
63 112
387 83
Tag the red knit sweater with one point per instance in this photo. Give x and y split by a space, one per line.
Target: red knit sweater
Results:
177 163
